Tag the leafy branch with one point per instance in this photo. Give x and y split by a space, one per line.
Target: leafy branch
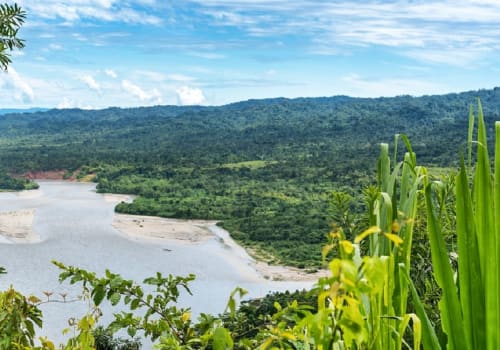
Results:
11 19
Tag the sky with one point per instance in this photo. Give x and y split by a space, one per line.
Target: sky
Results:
101 53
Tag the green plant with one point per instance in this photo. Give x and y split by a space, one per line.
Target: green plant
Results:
470 307
11 19
18 317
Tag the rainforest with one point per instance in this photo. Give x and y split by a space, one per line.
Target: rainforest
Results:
268 170
384 210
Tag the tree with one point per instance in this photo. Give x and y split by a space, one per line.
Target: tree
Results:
11 19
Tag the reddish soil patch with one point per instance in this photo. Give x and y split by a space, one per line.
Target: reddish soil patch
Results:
48 175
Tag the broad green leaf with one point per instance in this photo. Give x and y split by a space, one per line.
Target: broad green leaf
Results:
222 339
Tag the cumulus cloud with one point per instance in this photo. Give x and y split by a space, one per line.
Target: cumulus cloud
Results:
69 103
111 73
190 96
20 88
90 82
133 89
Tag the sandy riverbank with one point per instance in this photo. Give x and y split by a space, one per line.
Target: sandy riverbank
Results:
117 198
17 227
156 229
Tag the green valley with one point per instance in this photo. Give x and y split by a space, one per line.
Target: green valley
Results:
267 169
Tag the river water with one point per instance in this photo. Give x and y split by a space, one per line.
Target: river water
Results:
74 223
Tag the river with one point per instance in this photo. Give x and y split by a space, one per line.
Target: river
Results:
74 223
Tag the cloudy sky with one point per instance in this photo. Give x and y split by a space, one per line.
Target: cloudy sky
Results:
100 53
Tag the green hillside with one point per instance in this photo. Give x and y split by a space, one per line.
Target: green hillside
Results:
265 168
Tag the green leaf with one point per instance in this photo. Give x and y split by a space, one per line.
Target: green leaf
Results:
451 311
98 294
116 282
132 331
222 339
134 304
115 298
429 337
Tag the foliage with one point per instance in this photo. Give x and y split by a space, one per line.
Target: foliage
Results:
11 19
9 183
104 340
469 307
18 317
266 169
362 303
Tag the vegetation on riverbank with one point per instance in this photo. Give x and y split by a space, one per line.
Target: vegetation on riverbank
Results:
375 294
266 169
9 183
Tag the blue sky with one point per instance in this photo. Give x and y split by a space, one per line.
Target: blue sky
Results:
100 53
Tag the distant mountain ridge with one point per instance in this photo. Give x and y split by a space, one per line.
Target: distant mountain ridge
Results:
22 110
265 168
320 130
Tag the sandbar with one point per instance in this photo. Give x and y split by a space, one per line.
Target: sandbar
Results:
157 230
154 228
29 194
117 198
17 227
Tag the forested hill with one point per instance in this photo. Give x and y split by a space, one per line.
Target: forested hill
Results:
265 167
313 130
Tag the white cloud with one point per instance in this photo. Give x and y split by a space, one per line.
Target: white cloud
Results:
71 11
190 96
90 82
151 75
20 89
69 103
358 86
133 89
111 73
180 77
55 47
463 57
207 55
17 53
66 103
331 27
79 37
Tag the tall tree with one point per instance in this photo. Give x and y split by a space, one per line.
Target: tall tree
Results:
11 19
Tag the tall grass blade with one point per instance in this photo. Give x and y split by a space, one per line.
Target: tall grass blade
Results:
451 312
495 273
470 281
429 337
379 246
470 135
485 226
482 192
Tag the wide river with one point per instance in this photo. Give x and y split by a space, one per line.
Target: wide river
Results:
74 223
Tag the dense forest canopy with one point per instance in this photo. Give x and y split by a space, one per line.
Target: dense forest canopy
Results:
266 168
307 130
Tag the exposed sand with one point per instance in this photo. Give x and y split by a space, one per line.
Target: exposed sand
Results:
29 194
17 227
117 198
158 229
287 273
154 228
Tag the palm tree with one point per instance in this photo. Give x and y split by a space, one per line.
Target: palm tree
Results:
11 19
